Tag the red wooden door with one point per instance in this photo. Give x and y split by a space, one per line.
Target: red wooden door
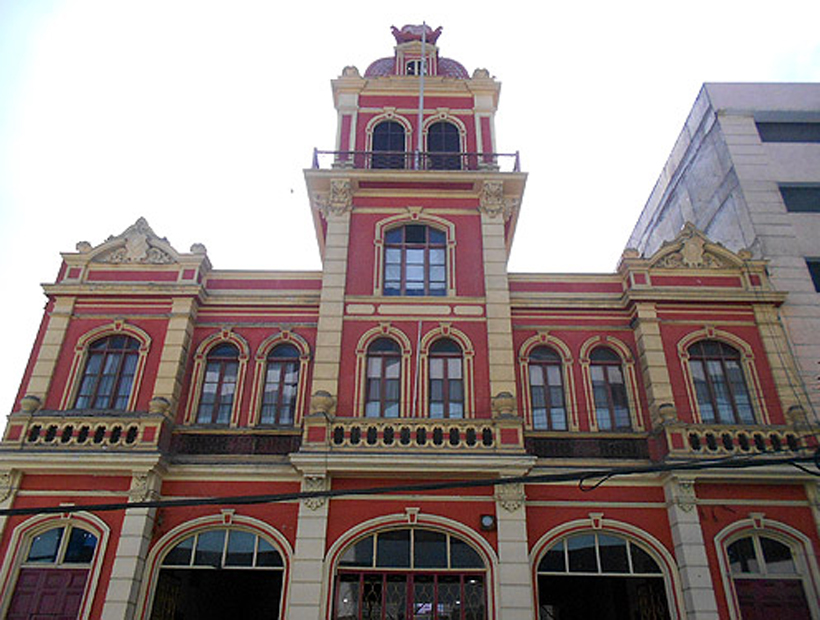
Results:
48 594
764 599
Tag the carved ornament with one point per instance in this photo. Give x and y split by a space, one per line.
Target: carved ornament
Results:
338 201
685 494
511 496
493 203
315 484
691 250
140 245
8 483
322 402
143 487
503 404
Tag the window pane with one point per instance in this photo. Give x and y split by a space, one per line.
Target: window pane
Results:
267 556
613 553
81 545
347 598
181 554
642 562
582 554
240 548
463 555
360 554
393 549
415 233
554 560
778 557
209 546
44 546
429 549
437 237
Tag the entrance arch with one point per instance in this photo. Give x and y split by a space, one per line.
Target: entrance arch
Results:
630 574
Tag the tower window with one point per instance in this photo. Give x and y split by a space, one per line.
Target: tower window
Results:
388 145
414 261
414 67
443 146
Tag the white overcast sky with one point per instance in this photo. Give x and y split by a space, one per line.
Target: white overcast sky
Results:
200 116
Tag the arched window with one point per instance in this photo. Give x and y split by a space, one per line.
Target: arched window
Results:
53 576
720 386
410 573
547 390
609 390
446 379
415 261
383 379
766 577
247 582
281 386
108 375
443 146
388 145
219 385
600 575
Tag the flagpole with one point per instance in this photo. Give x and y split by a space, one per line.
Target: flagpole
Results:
419 141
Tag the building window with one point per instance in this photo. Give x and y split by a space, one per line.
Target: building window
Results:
281 386
622 575
547 390
410 573
223 573
109 374
415 67
720 386
446 380
443 146
383 379
415 261
814 270
765 576
219 385
801 198
53 576
789 132
388 145
609 390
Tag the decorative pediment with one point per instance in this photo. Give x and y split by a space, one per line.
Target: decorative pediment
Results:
692 250
138 244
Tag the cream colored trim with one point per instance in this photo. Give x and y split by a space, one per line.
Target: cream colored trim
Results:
414 215
445 330
28 529
747 364
226 519
384 330
570 402
81 355
800 545
260 370
630 379
198 372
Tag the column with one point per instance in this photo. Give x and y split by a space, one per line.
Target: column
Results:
690 552
514 577
46 358
172 362
132 549
9 483
306 600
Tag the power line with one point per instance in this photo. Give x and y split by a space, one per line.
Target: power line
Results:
578 476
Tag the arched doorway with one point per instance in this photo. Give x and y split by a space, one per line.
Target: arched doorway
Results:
410 573
220 573
600 575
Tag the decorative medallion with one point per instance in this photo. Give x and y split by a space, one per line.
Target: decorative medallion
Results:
138 244
492 201
315 484
511 496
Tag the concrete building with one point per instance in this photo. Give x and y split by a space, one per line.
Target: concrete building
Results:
746 171
411 432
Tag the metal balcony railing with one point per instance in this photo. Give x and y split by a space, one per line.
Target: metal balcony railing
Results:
406 160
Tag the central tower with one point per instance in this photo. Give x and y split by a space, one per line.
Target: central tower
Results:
415 213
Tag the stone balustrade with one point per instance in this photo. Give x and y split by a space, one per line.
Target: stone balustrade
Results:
711 441
502 434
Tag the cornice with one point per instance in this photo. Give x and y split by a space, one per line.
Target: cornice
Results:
417 463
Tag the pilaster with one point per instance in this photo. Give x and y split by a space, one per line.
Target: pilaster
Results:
58 319
652 360
132 549
514 578
690 552
9 484
172 363
305 600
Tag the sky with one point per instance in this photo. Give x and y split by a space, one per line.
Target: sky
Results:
200 116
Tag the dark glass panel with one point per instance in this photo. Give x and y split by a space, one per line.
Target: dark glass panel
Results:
613 554
429 549
360 554
44 546
642 562
393 549
181 554
81 545
778 557
209 547
240 548
463 555
267 556
581 551
554 560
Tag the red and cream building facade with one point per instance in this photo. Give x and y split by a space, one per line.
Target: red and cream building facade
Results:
412 359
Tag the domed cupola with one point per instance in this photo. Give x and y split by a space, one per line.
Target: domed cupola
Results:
409 54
